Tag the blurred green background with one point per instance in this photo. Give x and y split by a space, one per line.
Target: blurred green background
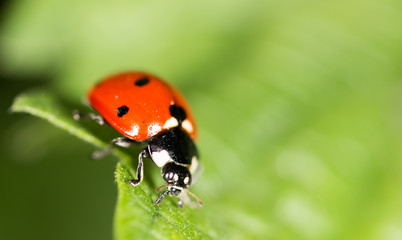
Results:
298 104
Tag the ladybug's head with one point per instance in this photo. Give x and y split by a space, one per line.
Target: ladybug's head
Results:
178 179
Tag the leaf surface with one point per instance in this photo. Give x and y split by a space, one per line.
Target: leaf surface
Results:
136 217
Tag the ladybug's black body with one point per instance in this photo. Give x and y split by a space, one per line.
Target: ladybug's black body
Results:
177 144
175 152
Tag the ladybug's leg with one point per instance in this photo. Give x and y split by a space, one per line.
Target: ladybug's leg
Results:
120 141
77 115
159 200
140 168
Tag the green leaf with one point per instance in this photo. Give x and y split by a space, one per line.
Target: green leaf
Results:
42 104
136 216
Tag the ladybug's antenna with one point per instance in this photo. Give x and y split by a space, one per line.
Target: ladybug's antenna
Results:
159 188
194 196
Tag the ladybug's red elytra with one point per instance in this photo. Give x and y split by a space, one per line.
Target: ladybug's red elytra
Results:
146 109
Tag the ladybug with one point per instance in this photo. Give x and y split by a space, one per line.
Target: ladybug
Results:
147 110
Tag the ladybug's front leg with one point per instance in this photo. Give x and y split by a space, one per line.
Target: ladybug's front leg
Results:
140 168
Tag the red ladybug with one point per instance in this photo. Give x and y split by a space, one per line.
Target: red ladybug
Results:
144 108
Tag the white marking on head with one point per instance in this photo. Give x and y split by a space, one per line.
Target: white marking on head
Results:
154 129
161 158
194 165
170 123
175 177
187 125
186 180
134 131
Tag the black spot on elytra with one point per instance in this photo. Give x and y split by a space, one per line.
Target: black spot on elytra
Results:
121 111
178 113
142 81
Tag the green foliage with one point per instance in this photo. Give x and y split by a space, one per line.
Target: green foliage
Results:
136 215
43 104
